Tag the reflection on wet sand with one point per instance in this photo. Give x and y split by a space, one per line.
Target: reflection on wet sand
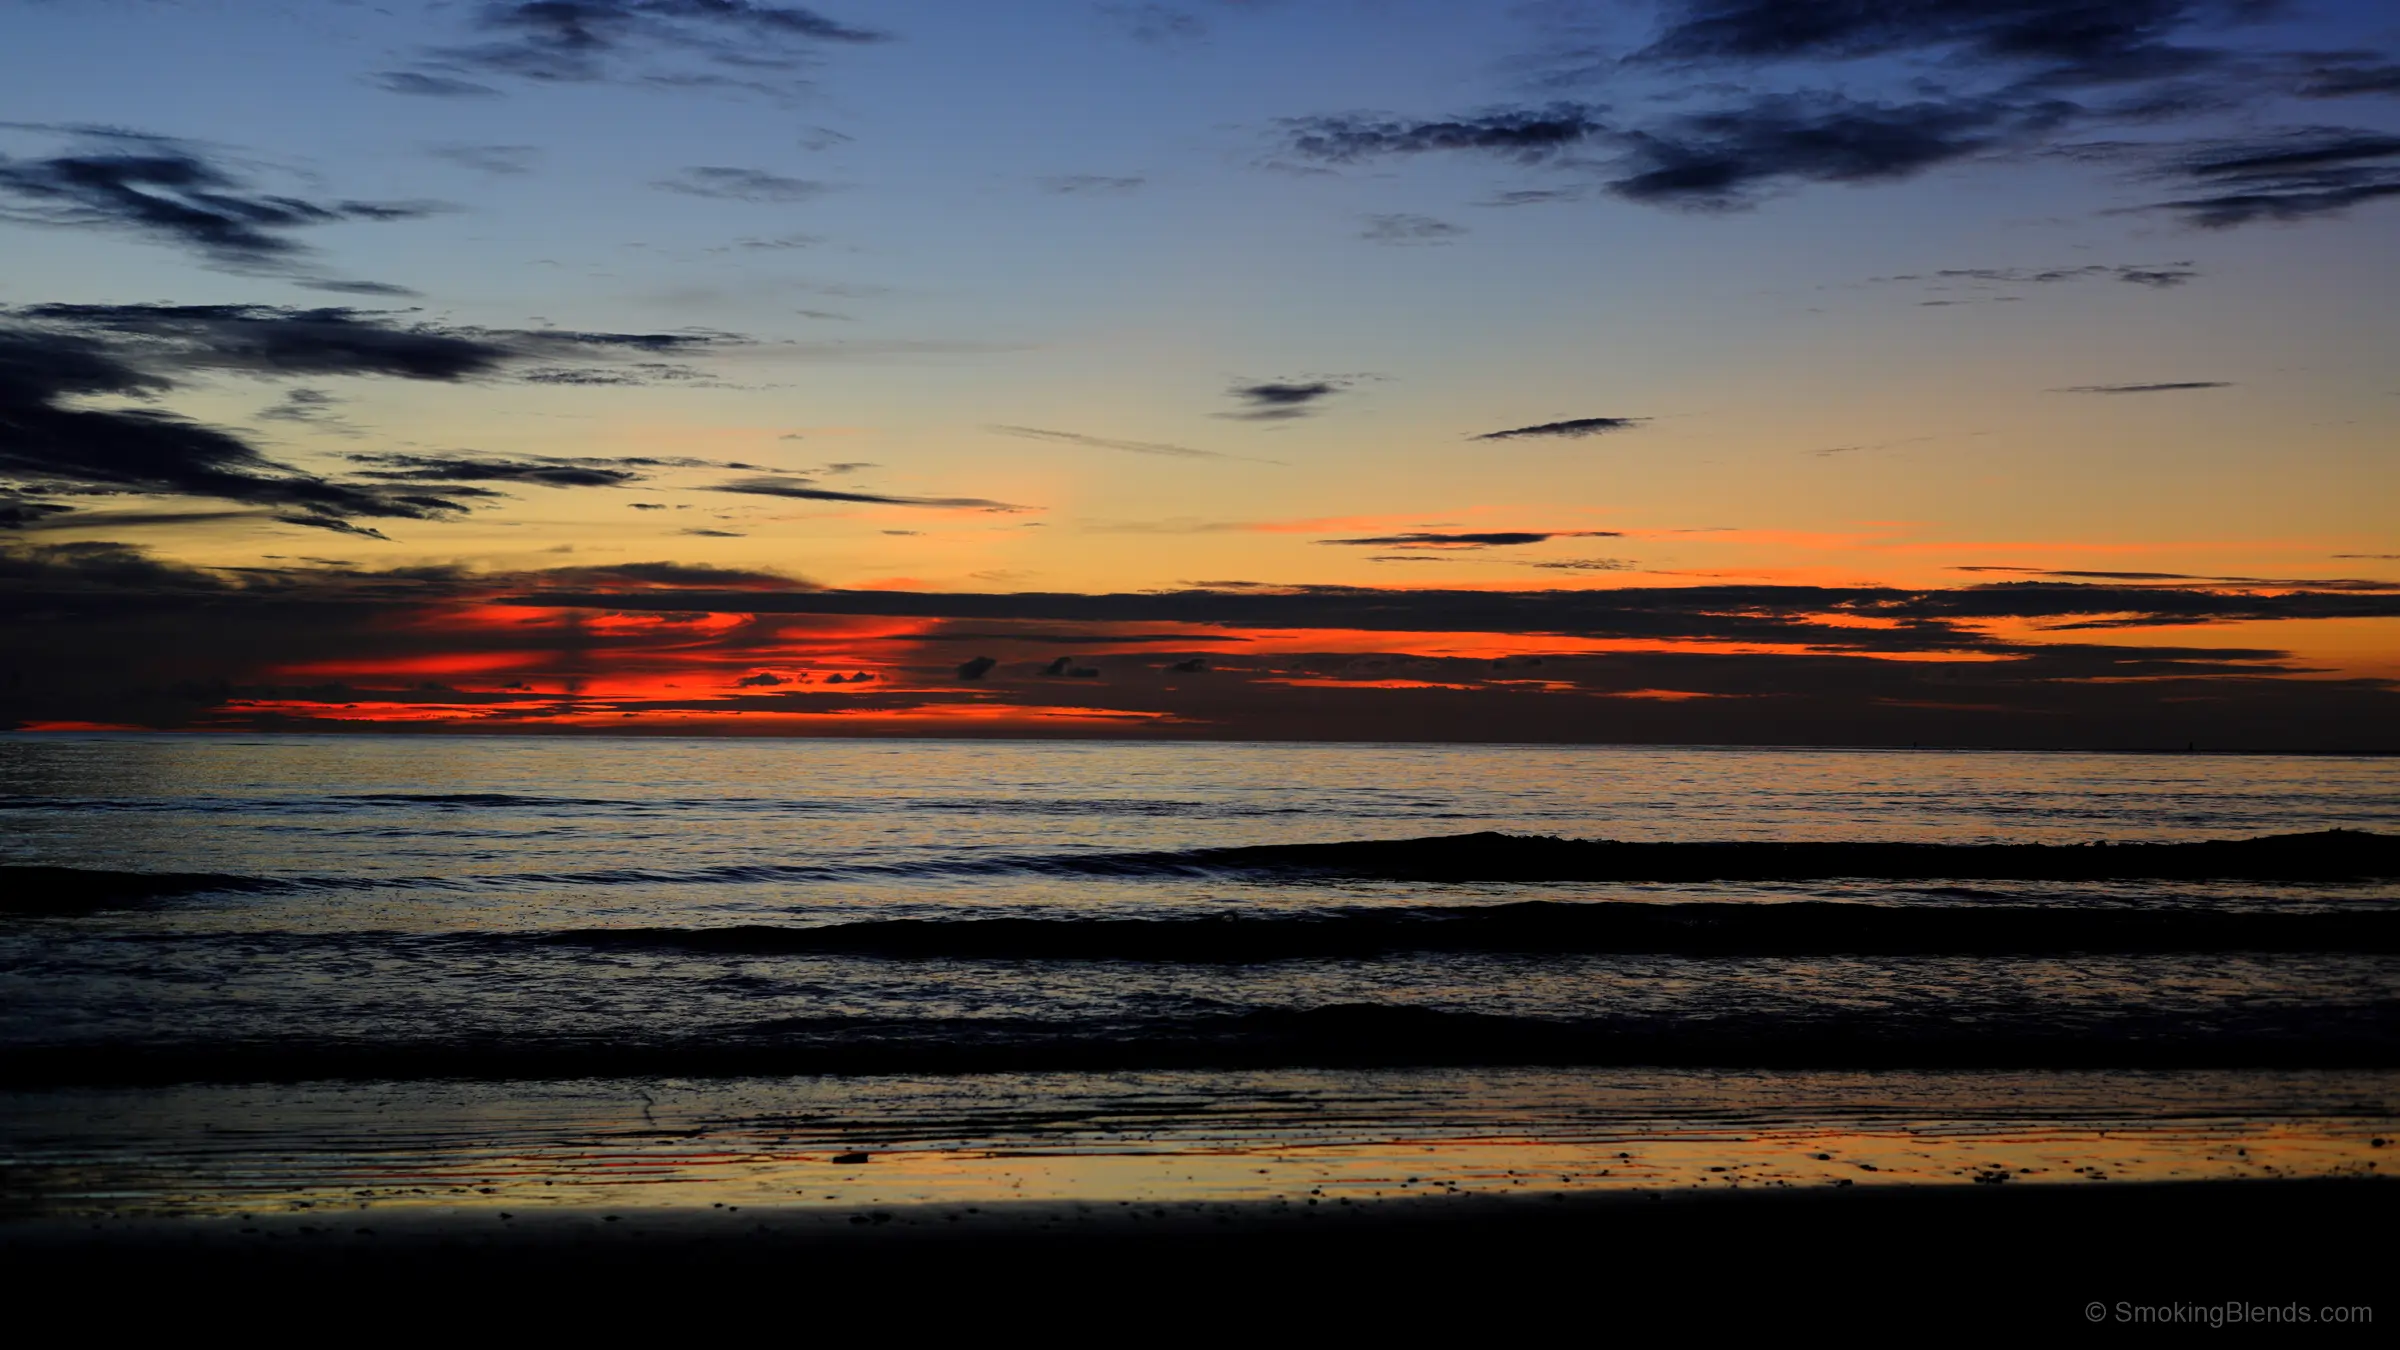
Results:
1152 1142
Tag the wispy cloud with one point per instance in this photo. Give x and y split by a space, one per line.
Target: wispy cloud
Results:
171 191
1572 427
419 84
2316 171
1284 400
1431 539
1404 229
1729 156
1523 135
734 184
1129 447
799 490
491 159
1091 184
672 44
2156 276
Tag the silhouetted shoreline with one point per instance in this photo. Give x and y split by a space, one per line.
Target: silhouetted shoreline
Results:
2022 1256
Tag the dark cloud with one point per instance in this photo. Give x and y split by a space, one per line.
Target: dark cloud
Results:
1283 400
303 405
2066 41
2316 171
126 638
2363 73
1587 565
270 340
1578 426
52 447
337 286
169 191
1488 539
1090 184
541 471
2157 278
1111 443
2301 152
1065 668
2167 387
714 534
1535 196
1404 229
635 373
733 184
1522 135
798 490
135 520
1728 156
99 564
673 574
583 41
53 356
18 515
1981 78
2156 275
1817 616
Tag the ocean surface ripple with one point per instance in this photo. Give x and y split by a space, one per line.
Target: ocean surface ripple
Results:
263 908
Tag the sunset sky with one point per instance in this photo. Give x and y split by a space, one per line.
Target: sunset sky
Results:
1953 371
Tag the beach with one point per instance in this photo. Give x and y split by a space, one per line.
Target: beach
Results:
1765 1035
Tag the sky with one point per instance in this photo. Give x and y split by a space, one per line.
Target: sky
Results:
1944 372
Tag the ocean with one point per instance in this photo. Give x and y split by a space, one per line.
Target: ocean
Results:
280 973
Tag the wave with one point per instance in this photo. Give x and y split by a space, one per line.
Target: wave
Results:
982 806
1491 856
2326 855
32 890
471 799
1326 1036
1545 928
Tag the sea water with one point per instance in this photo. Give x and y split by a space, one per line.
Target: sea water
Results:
564 937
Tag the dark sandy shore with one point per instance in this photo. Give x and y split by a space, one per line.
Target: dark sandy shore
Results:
1880 1262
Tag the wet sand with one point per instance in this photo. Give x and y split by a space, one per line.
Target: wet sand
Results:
373 1152
1491 1199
